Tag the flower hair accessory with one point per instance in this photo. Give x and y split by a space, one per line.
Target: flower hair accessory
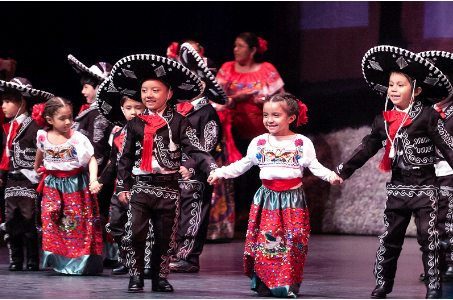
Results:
263 45
302 119
172 49
37 114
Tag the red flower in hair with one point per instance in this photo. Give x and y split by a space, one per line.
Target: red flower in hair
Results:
172 49
263 45
201 50
302 119
37 114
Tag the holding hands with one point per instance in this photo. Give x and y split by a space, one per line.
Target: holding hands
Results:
95 187
334 179
212 178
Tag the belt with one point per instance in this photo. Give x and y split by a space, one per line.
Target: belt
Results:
16 175
154 178
415 171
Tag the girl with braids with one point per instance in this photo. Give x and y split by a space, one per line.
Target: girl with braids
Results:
72 236
278 228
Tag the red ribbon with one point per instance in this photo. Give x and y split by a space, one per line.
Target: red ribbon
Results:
302 119
184 108
152 123
4 165
119 142
439 110
84 107
279 185
56 173
395 118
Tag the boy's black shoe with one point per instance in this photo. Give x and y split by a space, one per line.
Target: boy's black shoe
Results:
422 277
33 266
183 266
110 263
448 274
15 267
135 284
121 270
433 294
381 291
161 285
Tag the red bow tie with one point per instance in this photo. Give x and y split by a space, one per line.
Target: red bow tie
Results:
84 107
184 108
439 110
4 165
395 118
152 123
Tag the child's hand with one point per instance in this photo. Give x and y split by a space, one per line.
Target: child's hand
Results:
212 178
124 197
334 179
95 187
185 173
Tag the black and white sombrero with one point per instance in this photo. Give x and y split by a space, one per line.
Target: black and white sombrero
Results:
108 101
190 58
100 70
441 59
129 73
24 86
379 61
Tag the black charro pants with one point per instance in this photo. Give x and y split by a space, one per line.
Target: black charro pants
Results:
194 218
406 195
445 220
160 204
22 219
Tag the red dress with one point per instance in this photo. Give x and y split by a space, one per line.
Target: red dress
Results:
266 80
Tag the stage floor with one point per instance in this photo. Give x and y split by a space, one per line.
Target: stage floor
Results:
338 266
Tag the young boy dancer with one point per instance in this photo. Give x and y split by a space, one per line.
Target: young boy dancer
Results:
22 201
195 193
153 146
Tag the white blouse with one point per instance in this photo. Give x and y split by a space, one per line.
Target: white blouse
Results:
279 157
76 152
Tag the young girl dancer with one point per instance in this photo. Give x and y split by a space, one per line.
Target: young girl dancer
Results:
409 132
72 237
278 229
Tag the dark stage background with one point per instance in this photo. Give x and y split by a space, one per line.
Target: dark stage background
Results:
317 47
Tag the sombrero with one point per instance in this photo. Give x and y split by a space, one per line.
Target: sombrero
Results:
189 58
24 86
108 101
380 61
129 73
100 70
441 59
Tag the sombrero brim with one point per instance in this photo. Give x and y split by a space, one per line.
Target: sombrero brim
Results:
108 101
380 61
441 59
129 72
36 96
190 59
81 68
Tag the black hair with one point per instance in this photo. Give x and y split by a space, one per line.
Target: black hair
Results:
16 96
291 106
251 39
52 106
89 79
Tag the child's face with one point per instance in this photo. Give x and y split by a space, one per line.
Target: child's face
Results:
61 120
10 107
89 93
132 108
400 90
155 94
276 120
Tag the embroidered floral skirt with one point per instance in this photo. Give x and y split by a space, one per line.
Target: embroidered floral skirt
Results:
277 240
72 236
